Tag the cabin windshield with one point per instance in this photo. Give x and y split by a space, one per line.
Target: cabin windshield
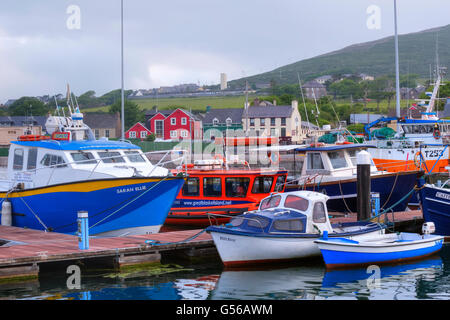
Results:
236 187
279 185
297 203
337 159
83 158
134 156
50 160
314 161
288 225
111 157
270 202
319 213
191 187
262 184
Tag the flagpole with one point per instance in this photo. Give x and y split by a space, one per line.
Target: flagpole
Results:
122 91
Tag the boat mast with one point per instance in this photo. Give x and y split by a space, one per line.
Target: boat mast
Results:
397 72
122 91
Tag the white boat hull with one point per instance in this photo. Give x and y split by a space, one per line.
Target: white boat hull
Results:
241 250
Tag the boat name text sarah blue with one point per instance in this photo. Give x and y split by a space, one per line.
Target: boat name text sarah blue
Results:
123 190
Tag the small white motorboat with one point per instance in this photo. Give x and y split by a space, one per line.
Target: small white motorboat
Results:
283 228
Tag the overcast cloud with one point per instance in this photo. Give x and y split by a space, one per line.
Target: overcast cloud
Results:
179 41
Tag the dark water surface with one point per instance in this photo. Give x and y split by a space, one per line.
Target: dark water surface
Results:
425 279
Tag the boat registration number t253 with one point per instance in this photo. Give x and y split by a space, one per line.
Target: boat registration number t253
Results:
433 153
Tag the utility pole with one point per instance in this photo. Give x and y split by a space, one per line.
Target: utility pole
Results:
122 91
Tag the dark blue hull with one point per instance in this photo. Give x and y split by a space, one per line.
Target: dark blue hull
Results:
436 208
392 188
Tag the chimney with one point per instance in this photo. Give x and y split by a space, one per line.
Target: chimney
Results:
294 104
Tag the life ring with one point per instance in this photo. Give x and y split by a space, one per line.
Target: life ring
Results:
277 158
417 157
188 166
436 134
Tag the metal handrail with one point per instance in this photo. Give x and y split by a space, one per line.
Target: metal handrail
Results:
98 161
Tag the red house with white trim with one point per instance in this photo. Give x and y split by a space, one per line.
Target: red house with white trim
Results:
174 124
137 131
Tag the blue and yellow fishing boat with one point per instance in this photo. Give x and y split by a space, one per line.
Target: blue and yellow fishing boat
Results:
51 179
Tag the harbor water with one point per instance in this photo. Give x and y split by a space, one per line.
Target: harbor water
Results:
309 280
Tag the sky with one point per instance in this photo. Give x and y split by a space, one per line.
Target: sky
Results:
46 44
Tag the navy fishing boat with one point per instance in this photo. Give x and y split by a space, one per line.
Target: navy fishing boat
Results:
435 201
331 169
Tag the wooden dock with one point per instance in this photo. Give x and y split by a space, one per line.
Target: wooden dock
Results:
27 250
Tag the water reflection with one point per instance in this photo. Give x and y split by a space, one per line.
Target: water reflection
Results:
425 279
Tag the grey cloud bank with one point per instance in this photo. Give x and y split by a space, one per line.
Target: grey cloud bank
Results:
175 42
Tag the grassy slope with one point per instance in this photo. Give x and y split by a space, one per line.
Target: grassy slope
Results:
196 103
416 52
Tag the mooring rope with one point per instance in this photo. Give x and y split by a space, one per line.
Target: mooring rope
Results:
158 243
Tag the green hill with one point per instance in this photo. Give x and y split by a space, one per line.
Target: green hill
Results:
416 52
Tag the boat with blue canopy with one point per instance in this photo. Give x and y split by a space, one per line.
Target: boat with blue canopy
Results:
282 229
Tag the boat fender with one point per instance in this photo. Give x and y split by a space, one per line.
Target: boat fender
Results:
6 213
325 235
428 228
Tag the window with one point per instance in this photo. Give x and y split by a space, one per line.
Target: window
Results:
236 187
18 159
184 133
258 222
272 121
279 185
159 128
283 121
32 158
143 134
228 122
288 225
215 122
252 122
297 203
183 121
97 133
236 222
134 156
262 121
273 132
283 132
262 185
270 202
173 133
111 157
212 187
107 133
83 157
173 121
352 154
191 187
314 161
319 213
337 159
131 134
51 160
